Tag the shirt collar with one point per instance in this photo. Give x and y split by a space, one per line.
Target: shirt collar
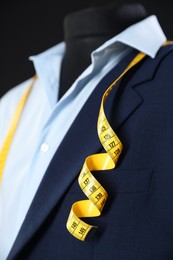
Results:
146 36
47 66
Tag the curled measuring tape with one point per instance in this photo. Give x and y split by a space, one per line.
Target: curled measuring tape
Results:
97 195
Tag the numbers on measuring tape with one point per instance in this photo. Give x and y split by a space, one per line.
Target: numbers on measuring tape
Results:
96 194
93 190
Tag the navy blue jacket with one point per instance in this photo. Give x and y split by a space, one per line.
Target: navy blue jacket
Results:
137 221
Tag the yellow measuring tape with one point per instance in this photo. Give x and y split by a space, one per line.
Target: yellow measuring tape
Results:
96 194
12 129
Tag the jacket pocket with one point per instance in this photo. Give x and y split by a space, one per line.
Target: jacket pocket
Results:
121 180
126 180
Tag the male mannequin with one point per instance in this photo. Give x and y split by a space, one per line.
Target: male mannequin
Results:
86 30
137 220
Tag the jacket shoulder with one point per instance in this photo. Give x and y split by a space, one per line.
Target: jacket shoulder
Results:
165 51
164 60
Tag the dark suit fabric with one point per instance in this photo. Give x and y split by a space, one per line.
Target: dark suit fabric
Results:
137 221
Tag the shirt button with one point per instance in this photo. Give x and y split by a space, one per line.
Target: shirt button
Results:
44 147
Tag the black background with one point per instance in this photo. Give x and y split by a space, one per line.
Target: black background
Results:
29 27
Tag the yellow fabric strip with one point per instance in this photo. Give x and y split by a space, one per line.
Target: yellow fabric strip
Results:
12 129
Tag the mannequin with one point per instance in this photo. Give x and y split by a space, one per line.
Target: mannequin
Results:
86 30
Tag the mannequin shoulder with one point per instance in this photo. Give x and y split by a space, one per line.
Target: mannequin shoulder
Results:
12 96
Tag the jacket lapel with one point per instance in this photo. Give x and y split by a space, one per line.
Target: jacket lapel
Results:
80 141
127 97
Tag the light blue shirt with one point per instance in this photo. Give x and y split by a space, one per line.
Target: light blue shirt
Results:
45 121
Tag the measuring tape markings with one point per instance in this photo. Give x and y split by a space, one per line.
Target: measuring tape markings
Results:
95 192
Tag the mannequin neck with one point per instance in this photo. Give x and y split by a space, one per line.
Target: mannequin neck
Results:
86 30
